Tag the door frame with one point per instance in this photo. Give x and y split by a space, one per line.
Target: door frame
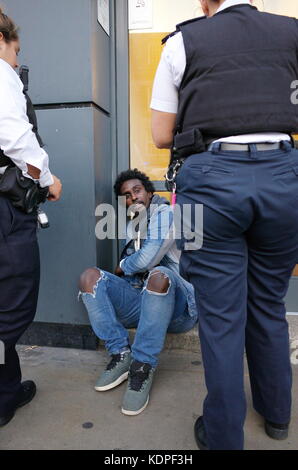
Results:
120 129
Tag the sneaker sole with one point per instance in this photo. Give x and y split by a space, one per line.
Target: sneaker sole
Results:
134 413
112 384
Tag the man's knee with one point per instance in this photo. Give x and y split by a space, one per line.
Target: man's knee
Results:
158 282
88 280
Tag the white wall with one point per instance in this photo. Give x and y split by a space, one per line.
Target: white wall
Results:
282 7
167 13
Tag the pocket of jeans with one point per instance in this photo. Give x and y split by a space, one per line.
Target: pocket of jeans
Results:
286 182
209 169
286 171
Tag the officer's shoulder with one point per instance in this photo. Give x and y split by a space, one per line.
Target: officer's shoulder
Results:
181 25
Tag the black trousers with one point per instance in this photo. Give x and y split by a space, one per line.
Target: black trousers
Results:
19 283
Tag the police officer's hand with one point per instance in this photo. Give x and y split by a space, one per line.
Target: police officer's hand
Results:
55 190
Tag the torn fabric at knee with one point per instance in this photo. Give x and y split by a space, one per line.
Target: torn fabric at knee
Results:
94 288
163 275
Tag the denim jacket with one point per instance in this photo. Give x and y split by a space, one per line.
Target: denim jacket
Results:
157 248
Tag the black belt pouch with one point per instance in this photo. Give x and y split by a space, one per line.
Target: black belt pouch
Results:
23 192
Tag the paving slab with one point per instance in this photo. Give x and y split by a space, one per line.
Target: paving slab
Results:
67 413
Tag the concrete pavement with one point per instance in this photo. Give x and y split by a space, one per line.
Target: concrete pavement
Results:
67 413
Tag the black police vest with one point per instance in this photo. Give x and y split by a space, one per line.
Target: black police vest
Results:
240 67
4 160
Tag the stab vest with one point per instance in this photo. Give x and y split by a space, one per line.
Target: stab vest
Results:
4 160
240 65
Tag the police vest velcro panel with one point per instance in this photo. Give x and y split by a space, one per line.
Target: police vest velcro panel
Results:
241 64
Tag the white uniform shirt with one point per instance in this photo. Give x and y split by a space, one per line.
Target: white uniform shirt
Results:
17 140
169 76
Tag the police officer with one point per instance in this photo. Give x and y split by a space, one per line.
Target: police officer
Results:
19 255
226 81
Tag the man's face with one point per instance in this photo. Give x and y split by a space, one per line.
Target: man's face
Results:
9 52
136 194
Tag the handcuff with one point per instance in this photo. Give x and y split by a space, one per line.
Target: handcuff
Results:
170 177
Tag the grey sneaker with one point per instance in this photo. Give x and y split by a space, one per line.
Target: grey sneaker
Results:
115 373
136 397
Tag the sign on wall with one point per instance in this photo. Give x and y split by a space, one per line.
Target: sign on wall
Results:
103 14
140 14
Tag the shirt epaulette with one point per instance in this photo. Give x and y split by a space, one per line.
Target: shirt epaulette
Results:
193 20
164 40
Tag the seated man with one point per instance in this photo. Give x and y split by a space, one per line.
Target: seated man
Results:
146 292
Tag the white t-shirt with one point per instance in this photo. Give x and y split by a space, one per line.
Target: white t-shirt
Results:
168 78
17 140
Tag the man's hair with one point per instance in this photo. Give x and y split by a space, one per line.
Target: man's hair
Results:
134 174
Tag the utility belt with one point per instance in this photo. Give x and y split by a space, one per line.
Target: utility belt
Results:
192 142
23 192
185 144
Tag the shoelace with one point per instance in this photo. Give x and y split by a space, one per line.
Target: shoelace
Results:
137 378
115 359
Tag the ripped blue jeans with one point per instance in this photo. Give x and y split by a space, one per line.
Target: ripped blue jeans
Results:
116 305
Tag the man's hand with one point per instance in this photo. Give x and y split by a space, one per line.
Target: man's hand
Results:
55 190
119 272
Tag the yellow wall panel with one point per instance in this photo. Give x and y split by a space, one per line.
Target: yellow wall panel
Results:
145 51
168 196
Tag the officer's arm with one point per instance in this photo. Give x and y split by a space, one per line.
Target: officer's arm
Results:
162 126
18 141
